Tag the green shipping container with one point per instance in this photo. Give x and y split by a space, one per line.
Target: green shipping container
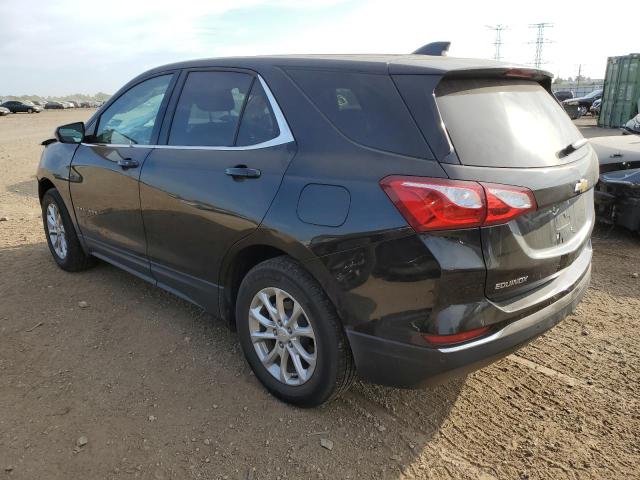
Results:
621 91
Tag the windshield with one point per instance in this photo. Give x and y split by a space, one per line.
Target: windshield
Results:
504 123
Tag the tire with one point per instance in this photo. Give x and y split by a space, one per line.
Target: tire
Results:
333 371
30 110
72 257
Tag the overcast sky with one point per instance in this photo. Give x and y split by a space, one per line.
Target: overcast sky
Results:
69 46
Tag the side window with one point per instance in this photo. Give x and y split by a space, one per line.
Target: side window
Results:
258 121
367 108
132 117
209 109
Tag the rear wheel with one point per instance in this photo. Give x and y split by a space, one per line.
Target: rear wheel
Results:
61 235
291 335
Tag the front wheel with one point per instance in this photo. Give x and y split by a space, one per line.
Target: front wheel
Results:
291 335
61 235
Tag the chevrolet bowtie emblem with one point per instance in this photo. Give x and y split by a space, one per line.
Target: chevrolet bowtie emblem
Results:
582 186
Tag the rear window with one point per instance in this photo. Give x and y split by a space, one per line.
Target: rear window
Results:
504 123
367 108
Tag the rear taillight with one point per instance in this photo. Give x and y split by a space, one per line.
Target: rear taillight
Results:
443 204
505 202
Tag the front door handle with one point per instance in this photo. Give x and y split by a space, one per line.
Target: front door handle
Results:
128 163
242 171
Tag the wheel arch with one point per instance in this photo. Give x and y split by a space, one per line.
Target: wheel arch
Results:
48 180
258 248
44 184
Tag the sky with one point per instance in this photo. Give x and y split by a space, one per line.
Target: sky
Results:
61 47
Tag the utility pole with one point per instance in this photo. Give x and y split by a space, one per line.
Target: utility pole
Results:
540 41
579 76
498 40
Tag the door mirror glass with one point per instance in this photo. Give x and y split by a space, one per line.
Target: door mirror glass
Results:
70 133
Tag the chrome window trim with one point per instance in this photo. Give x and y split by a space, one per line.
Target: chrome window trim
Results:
285 136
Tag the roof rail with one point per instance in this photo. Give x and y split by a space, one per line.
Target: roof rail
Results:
438 49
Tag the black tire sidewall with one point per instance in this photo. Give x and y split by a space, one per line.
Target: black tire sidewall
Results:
323 381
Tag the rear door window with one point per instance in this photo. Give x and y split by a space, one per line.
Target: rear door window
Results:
504 123
366 108
209 109
258 124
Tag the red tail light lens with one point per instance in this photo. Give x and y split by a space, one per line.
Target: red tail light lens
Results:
505 202
441 340
436 204
443 204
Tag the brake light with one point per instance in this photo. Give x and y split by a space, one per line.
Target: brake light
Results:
441 340
443 204
522 73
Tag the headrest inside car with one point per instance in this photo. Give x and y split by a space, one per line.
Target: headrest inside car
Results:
214 101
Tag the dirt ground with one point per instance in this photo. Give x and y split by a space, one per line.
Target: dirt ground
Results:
160 390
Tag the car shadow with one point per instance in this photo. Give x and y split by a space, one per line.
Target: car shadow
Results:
28 188
160 375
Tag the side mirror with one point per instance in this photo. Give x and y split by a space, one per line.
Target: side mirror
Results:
70 133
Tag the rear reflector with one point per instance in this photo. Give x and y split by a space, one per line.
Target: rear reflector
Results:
441 204
442 340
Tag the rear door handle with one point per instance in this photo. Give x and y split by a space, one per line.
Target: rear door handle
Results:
128 163
242 171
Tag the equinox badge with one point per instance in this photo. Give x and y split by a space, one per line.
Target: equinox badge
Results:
511 283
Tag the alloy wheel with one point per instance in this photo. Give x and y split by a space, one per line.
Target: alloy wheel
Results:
282 336
55 229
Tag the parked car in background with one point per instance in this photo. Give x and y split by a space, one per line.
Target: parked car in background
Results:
584 103
52 105
617 152
26 106
386 214
4 111
632 126
595 107
39 103
617 194
572 108
562 95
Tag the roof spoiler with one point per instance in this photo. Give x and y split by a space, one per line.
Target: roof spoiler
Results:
438 49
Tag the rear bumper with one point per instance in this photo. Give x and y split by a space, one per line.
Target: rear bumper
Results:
397 364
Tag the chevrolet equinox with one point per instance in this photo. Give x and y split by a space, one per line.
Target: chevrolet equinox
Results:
405 217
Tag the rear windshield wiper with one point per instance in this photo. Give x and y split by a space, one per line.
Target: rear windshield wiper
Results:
572 147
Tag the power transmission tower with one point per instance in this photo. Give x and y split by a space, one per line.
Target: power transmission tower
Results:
498 40
579 77
540 41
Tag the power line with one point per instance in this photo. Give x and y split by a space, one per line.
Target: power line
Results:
498 40
540 41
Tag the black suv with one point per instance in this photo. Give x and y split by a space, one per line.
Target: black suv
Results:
407 217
